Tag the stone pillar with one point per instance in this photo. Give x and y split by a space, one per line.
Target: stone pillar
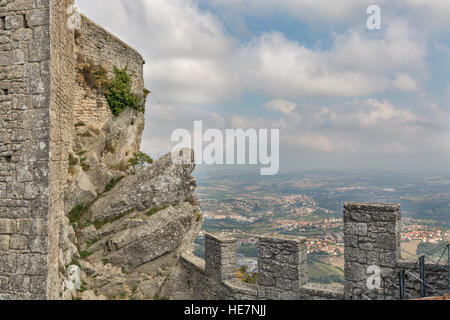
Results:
220 257
282 266
371 238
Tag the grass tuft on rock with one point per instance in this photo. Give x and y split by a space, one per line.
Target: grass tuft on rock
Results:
99 224
112 184
77 212
154 210
85 254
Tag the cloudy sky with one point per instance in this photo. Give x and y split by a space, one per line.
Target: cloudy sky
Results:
342 96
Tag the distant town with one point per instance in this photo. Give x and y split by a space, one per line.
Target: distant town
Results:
311 207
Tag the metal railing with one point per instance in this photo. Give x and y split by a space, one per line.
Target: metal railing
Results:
426 289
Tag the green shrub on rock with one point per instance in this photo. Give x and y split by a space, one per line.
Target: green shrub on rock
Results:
118 92
140 160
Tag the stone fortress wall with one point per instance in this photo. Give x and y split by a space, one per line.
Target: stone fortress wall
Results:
98 45
34 73
371 237
40 101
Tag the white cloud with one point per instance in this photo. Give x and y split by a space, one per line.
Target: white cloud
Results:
405 82
312 141
283 106
354 67
163 119
372 112
191 59
192 63
397 48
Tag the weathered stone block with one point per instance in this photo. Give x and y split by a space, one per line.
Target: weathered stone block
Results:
21 102
38 18
5 58
42 3
386 241
19 283
32 227
7 226
20 56
355 254
373 258
37 284
14 22
388 259
355 228
356 216
39 85
265 279
18 242
38 244
42 32
4 281
355 271
21 4
4 243
31 69
41 101
31 264
39 50
7 262
23 35
351 241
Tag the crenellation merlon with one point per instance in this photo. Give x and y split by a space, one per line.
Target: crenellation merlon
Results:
282 263
220 256
371 238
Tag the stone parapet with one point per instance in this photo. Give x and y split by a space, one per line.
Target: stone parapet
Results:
371 238
220 257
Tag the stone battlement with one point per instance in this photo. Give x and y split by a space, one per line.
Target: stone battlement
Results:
371 238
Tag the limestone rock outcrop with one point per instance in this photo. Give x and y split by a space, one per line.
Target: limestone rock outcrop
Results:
140 226
72 202
159 234
126 225
129 226
160 184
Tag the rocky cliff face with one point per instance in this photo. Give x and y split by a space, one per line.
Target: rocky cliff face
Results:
126 227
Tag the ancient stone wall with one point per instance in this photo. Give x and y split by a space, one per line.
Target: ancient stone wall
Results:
98 45
371 238
31 156
282 271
